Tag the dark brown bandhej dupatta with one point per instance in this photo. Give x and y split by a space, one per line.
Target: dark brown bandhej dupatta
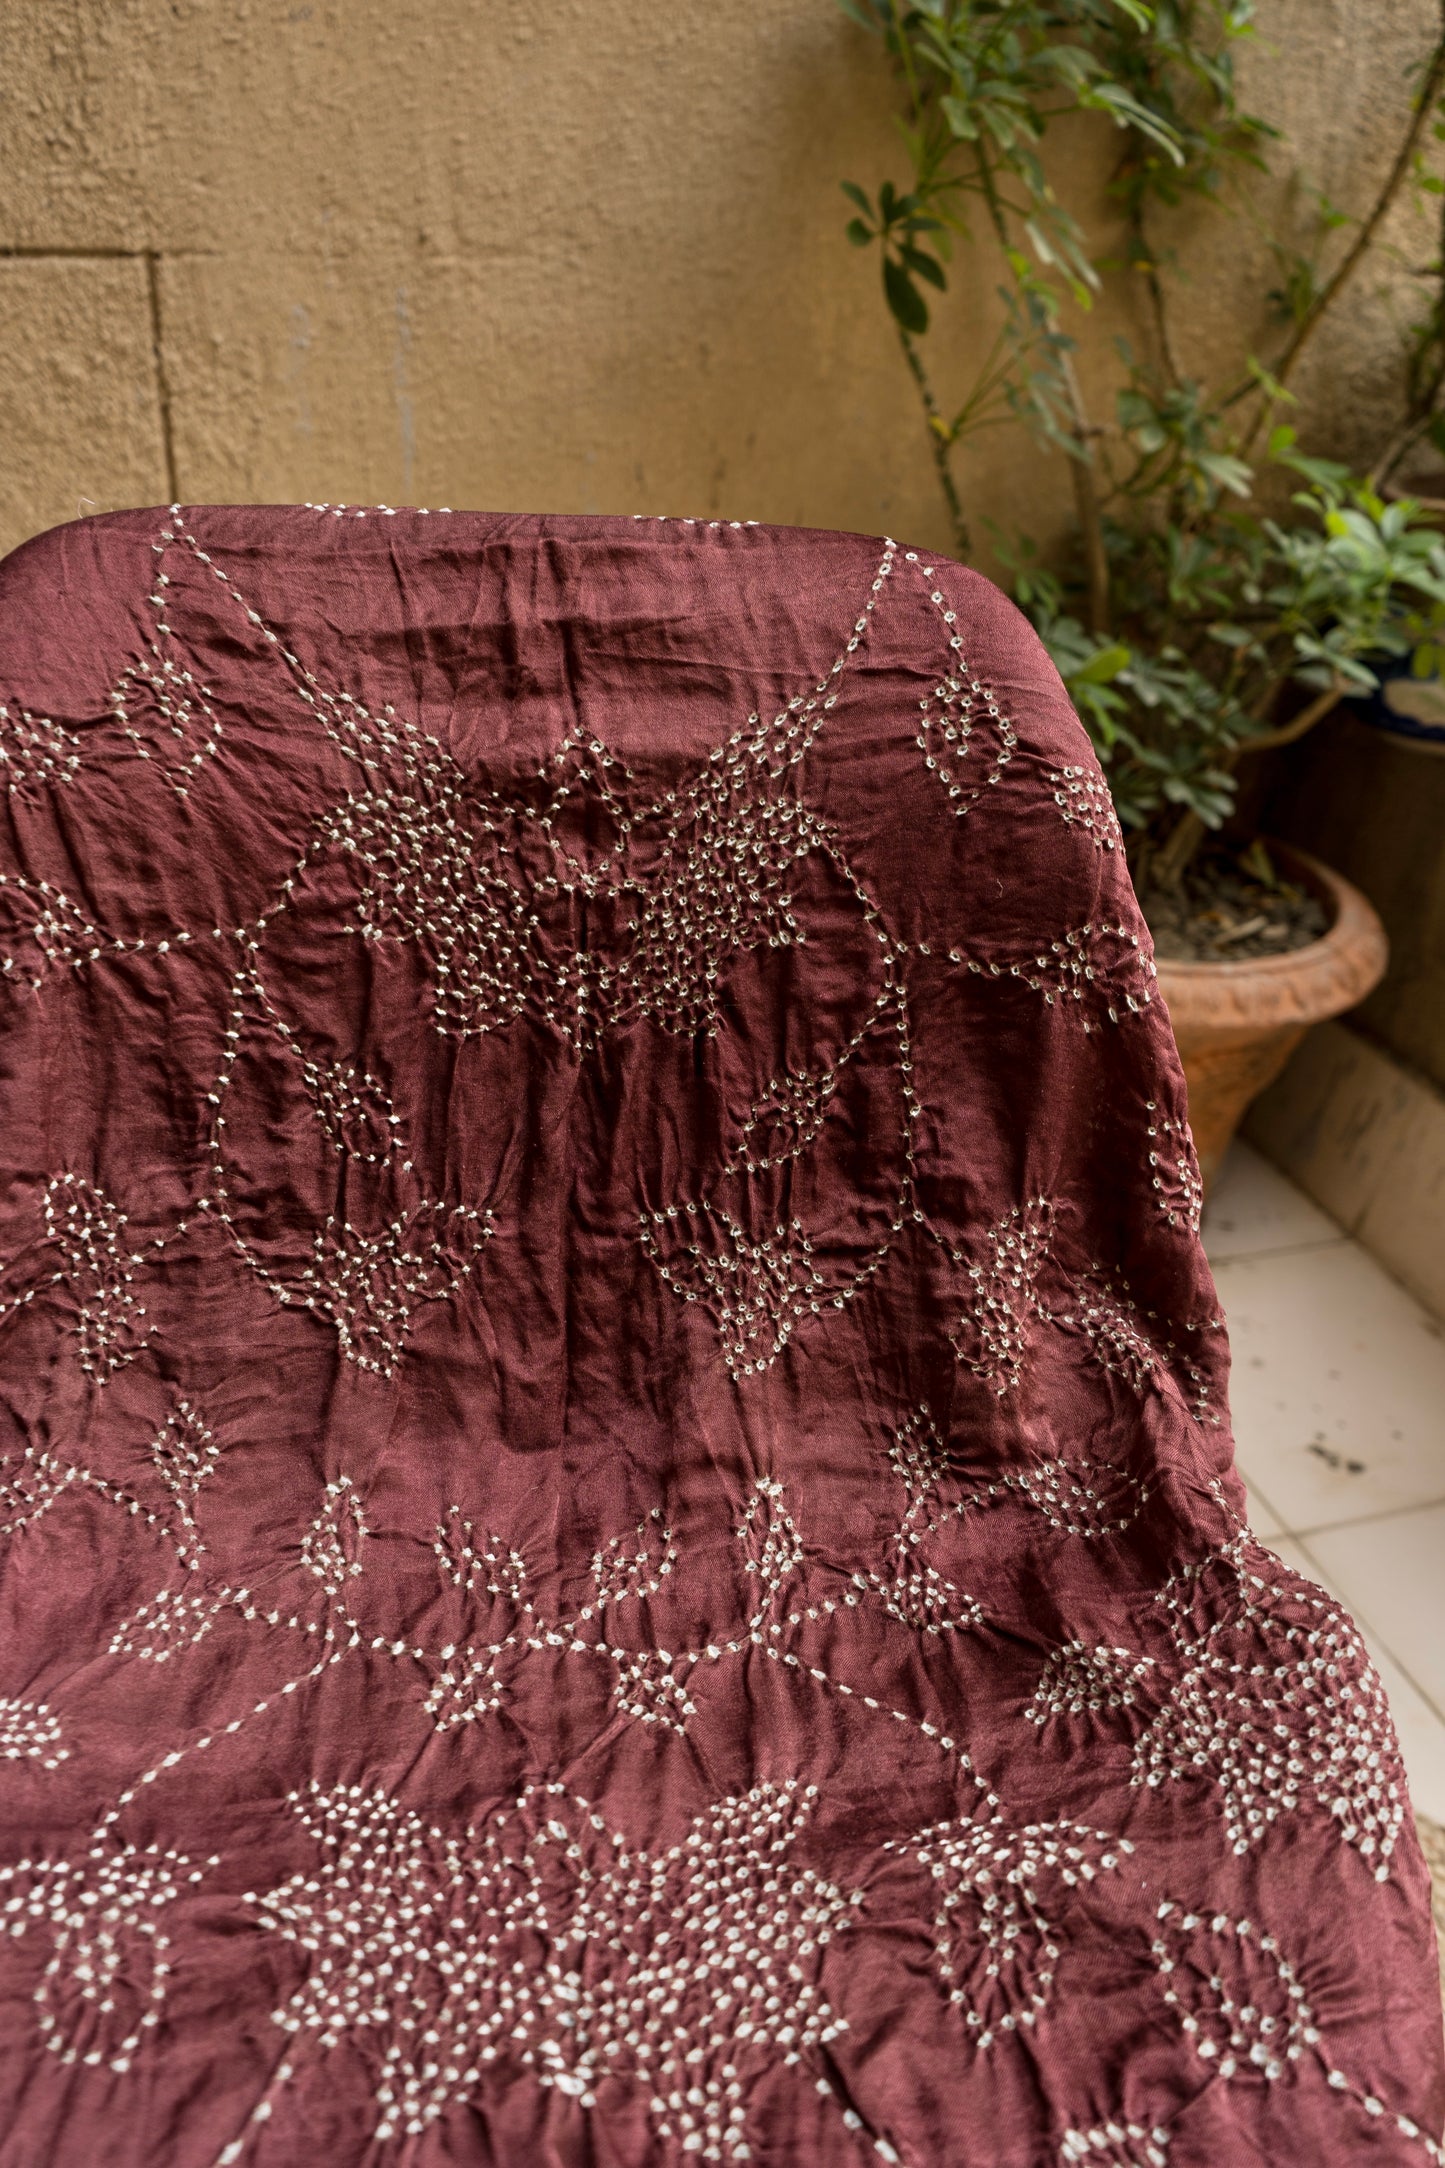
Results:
620 1536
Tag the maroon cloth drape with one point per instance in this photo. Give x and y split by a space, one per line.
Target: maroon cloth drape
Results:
620 1535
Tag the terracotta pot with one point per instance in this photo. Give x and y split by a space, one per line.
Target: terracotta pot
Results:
1236 1025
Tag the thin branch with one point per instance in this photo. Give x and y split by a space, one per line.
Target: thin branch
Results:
1173 859
1154 286
1086 500
1081 454
938 444
1359 248
1402 444
1314 712
163 381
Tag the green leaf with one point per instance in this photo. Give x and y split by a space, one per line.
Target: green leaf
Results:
959 118
856 195
907 303
859 234
1001 125
924 266
1128 112
1278 394
1103 666
859 12
1226 471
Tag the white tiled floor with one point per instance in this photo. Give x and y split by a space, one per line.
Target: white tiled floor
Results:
1338 1396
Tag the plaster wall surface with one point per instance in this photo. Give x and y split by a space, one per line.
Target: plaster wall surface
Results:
586 256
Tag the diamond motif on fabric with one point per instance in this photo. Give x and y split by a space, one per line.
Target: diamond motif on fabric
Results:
30 1483
1005 1294
1084 1498
1275 1702
773 1547
352 1108
758 1292
35 750
649 1689
958 716
91 1233
541 1941
469 1564
185 1455
370 1286
1079 1681
1111 1324
468 1687
1099 972
167 718
784 1120
1174 1170
918 1453
100 1996
959 711
995 1949
1238 2000
920 1596
1084 802
60 930
331 1547
166 1625
30 1731
633 1566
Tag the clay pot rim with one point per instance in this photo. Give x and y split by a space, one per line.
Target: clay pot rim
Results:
1350 915
1217 1003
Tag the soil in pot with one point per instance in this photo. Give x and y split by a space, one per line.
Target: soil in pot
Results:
1254 948
1231 906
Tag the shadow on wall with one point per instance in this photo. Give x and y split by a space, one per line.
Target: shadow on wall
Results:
1376 809
514 257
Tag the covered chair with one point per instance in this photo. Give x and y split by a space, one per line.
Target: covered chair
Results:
621 1543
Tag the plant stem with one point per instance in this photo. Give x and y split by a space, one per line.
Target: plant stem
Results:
1154 286
1314 712
1399 447
1081 460
1359 248
939 445
1172 861
1086 501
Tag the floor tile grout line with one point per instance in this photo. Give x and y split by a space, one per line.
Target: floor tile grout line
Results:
1371 1634
1255 1494
1357 1520
1283 1249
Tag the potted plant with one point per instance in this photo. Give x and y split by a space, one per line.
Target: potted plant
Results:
1225 587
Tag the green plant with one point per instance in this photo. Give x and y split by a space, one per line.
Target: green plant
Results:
1224 589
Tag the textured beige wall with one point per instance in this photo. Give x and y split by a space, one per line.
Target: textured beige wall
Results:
580 256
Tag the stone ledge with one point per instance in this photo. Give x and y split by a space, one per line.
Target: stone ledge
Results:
1365 1138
